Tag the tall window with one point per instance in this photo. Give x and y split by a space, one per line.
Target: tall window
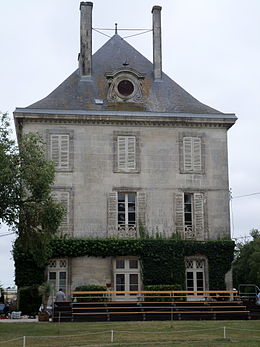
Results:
189 208
61 148
191 154
195 274
126 210
126 153
126 274
126 203
57 274
59 144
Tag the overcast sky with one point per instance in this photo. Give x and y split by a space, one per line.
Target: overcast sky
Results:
210 47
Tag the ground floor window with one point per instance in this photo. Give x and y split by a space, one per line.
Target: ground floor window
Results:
58 274
195 274
127 274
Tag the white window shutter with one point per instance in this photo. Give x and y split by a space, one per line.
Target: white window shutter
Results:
126 153
121 151
112 214
64 199
187 153
54 148
192 154
141 208
179 213
64 151
131 149
196 154
199 215
59 146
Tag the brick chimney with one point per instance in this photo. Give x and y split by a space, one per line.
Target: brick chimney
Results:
157 43
85 57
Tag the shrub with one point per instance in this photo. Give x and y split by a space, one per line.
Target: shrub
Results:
29 300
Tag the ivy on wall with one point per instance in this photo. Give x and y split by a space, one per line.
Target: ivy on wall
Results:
162 259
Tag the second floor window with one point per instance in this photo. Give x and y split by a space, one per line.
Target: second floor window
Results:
126 153
126 209
59 150
192 159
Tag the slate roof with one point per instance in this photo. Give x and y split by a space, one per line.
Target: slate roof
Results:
160 96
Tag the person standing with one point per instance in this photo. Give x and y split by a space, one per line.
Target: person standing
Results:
60 296
258 298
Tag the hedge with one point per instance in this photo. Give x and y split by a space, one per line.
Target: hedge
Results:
162 260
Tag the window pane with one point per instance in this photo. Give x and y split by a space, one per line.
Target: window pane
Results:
133 279
121 197
121 218
131 207
131 218
187 198
188 218
62 275
121 207
120 264
190 275
131 197
120 282
133 264
52 275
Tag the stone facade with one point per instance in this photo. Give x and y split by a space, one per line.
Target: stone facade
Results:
168 167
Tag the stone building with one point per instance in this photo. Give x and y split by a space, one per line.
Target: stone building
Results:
134 153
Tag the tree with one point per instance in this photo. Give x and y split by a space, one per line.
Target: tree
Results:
246 267
26 202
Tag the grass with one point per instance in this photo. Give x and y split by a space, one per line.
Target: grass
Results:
152 334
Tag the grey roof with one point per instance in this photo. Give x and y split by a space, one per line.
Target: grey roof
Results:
160 96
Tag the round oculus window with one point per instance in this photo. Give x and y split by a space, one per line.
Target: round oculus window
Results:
125 87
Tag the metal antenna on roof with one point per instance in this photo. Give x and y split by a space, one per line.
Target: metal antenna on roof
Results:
115 28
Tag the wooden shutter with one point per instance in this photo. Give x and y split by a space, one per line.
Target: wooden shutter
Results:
126 152
179 213
199 215
141 208
196 154
64 151
131 153
54 147
112 214
59 146
187 153
64 199
192 154
121 152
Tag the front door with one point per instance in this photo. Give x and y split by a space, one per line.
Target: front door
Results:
195 277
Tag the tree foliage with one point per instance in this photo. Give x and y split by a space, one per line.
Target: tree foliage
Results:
26 202
246 267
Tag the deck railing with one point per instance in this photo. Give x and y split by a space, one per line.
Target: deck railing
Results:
159 295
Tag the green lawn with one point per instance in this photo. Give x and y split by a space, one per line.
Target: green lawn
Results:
152 334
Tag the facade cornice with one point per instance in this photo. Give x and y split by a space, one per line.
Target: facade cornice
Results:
219 120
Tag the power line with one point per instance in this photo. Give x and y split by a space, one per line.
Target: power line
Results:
113 29
242 196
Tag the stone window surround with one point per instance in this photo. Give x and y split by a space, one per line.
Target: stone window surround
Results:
137 151
202 137
62 131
